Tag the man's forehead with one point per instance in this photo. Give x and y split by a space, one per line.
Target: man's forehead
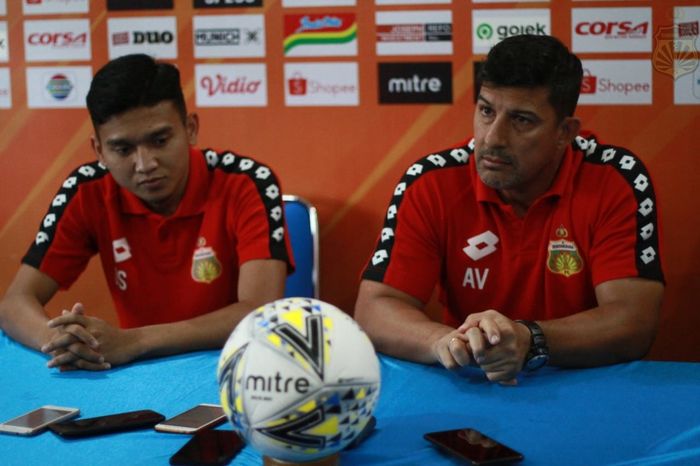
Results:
533 98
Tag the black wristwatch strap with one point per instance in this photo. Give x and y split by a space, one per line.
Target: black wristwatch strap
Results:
538 354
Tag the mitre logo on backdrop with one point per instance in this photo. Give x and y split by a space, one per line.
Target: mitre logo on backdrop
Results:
40 7
139 5
429 82
229 36
320 34
613 82
226 3
235 85
57 40
156 36
321 84
414 32
58 87
492 26
611 29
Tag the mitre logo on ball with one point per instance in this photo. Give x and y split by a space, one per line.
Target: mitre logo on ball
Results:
298 379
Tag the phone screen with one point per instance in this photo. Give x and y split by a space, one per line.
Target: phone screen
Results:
474 446
210 448
37 419
204 415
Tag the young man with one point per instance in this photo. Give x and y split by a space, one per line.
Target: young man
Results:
190 241
544 242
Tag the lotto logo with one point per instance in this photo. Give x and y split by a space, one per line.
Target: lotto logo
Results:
481 245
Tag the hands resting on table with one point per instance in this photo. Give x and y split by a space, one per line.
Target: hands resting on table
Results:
490 340
84 342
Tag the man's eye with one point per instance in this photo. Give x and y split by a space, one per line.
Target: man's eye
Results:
160 141
486 111
521 121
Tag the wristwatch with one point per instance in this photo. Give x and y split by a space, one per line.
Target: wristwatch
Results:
538 354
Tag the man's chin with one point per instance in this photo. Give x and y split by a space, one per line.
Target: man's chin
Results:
493 179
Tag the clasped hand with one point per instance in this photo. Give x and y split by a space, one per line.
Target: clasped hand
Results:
490 340
83 342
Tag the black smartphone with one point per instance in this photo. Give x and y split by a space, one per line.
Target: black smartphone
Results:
473 446
107 424
209 448
200 417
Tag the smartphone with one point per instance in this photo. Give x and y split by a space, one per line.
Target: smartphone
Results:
192 420
209 448
107 424
35 421
472 445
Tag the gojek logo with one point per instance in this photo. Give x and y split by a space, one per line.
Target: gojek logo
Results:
484 31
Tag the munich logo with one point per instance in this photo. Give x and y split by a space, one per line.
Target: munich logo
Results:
415 82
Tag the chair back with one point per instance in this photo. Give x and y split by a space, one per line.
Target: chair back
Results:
302 224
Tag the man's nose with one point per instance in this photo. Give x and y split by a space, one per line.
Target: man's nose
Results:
144 160
497 132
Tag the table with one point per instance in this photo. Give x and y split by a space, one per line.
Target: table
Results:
640 413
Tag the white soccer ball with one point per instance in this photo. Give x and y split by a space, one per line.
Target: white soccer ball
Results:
298 379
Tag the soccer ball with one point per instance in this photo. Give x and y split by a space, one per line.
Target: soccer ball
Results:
298 379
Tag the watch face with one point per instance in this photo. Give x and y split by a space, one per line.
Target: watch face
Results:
536 362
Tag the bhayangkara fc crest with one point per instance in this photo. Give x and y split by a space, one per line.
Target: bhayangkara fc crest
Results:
563 256
674 51
205 266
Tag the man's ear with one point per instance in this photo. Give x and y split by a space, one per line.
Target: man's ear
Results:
192 126
97 148
568 130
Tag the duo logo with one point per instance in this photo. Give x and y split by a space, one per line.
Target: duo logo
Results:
319 29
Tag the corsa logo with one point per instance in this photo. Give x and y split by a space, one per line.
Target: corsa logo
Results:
58 39
619 29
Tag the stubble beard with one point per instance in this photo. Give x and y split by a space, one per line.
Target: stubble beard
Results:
498 180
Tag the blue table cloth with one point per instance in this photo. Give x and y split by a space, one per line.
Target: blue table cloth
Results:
640 413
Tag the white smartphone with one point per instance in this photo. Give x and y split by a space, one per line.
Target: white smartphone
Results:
192 420
35 421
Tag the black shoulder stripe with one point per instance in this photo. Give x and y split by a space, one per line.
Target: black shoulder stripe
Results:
47 229
268 188
378 264
634 172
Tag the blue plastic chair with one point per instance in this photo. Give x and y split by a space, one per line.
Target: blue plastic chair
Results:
302 223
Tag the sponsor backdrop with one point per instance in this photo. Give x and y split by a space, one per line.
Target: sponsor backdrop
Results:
340 97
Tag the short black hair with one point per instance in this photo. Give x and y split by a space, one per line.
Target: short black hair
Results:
133 81
534 61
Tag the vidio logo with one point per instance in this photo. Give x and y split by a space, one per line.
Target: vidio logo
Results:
484 31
